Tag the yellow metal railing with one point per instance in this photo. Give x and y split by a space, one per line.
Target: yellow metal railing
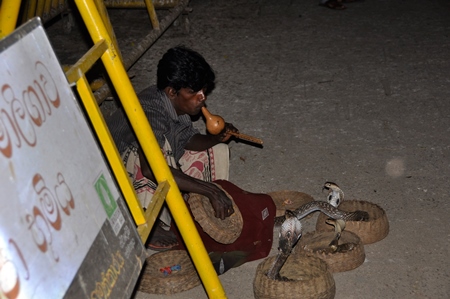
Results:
106 49
48 9
9 11
76 74
150 147
45 9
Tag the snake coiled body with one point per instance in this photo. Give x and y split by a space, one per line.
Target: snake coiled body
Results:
290 233
327 209
291 230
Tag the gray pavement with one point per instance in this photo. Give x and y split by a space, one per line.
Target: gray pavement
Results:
359 97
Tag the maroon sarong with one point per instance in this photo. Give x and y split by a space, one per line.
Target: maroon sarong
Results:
255 242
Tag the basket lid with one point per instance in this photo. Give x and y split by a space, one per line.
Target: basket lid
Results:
350 257
308 277
371 231
223 231
155 281
289 200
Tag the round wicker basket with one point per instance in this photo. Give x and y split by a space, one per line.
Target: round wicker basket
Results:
289 200
374 230
223 231
310 279
153 281
317 243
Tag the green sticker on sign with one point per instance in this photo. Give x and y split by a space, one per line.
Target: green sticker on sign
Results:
105 195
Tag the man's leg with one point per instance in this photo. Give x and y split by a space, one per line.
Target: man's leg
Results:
209 165
161 238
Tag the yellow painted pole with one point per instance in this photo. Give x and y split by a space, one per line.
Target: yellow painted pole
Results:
40 8
46 12
9 11
153 209
152 14
31 10
76 74
111 151
151 149
101 8
55 4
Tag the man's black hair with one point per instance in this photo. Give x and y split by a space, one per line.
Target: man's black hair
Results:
181 67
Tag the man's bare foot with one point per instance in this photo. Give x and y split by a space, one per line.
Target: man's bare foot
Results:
161 239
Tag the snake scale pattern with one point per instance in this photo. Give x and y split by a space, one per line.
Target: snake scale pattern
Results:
291 230
327 209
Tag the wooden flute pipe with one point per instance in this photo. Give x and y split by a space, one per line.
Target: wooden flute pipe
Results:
215 125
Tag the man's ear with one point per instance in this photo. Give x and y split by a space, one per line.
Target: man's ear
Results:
171 92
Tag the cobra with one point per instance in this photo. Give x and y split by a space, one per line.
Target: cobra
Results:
327 209
291 230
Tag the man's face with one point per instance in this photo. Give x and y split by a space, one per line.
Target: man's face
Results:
187 101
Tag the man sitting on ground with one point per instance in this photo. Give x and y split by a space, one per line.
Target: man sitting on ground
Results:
184 79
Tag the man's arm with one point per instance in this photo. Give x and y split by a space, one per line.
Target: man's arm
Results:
222 205
200 142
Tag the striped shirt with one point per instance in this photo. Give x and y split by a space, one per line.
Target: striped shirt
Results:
165 123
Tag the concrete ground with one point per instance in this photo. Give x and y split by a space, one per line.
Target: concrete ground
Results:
359 97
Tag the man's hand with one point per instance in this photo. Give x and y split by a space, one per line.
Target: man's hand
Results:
225 134
222 205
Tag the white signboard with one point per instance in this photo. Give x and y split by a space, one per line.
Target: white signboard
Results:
56 190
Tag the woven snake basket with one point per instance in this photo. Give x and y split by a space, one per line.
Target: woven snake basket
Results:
289 200
310 279
374 230
153 281
224 231
316 243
